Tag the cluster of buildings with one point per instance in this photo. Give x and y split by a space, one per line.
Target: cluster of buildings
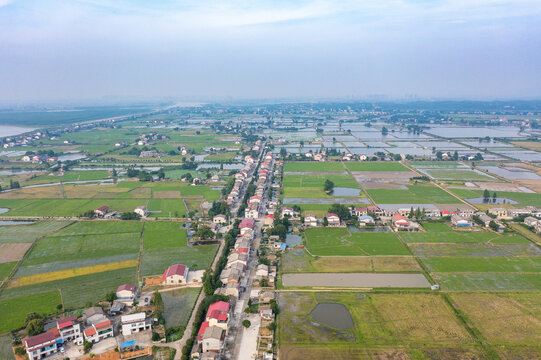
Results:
252 210
211 334
106 213
240 179
503 213
533 222
39 158
93 326
148 139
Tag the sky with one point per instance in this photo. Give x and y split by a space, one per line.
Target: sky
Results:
234 49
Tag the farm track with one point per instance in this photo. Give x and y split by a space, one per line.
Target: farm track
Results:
140 256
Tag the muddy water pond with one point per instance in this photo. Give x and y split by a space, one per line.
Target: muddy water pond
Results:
293 240
9 222
355 280
336 316
4 210
345 191
327 201
498 200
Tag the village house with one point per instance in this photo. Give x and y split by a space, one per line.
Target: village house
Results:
126 293
213 339
175 275
134 323
518 212
400 222
484 218
99 331
101 211
69 329
531 221
499 212
219 219
365 220
246 225
141 211
237 258
266 314
251 213
310 220
333 219
93 314
40 346
458 220
288 211
262 271
269 220
218 314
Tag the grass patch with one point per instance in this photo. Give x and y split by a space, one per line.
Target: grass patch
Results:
488 281
483 264
155 261
178 305
5 269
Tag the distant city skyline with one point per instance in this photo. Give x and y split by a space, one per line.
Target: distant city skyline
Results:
310 49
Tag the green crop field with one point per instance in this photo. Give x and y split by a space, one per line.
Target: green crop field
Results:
484 264
78 291
416 194
100 227
155 261
178 305
5 269
488 281
458 174
85 175
29 233
474 249
317 181
81 247
14 309
160 235
339 241
308 166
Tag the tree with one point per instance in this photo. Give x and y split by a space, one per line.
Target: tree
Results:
486 195
329 186
283 152
158 304
115 174
492 224
110 296
439 155
384 131
208 283
130 215
411 214
264 283
341 210
204 232
455 155
161 173
14 184
274 307
34 327
31 316
246 323
325 221
494 196
87 346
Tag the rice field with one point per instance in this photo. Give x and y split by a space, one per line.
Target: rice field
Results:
375 166
13 312
340 242
415 194
160 235
309 166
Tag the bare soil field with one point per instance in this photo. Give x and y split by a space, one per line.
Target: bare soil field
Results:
166 194
497 186
10 252
534 185
395 263
44 192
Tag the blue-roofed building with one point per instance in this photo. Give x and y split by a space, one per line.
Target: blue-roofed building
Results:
365 219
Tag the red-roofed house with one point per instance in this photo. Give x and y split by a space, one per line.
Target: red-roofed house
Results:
40 346
218 314
333 219
69 329
246 225
400 221
269 220
126 293
175 275
101 211
204 326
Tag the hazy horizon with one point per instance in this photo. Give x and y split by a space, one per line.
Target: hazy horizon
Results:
310 49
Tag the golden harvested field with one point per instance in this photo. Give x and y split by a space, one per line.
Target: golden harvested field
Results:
519 353
342 264
64 274
166 194
91 191
424 318
141 193
534 185
534 145
504 319
395 263
45 192
341 352
10 252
